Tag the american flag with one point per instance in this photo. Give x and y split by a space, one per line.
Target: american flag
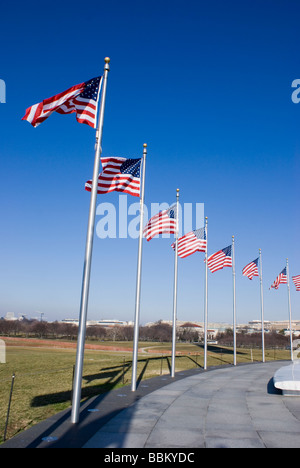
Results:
220 259
296 280
81 98
164 221
119 174
191 242
281 279
251 269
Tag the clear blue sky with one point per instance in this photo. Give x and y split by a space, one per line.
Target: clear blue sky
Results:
207 85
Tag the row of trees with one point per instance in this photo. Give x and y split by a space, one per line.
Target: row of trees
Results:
253 340
35 328
161 332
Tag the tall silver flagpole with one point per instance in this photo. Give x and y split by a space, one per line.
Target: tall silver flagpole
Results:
205 301
175 288
88 258
234 304
262 309
290 308
138 279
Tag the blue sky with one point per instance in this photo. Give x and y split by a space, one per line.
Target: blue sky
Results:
207 85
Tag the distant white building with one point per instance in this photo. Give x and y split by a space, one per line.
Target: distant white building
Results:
10 316
107 323
275 324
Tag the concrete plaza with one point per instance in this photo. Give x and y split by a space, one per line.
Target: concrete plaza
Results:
223 407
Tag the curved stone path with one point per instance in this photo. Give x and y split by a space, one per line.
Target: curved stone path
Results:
228 407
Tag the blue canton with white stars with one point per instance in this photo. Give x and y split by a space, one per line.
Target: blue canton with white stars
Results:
227 251
131 166
91 89
200 233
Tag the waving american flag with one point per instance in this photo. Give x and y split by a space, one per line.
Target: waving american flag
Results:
191 242
81 99
220 259
120 174
163 222
251 269
281 279
296 280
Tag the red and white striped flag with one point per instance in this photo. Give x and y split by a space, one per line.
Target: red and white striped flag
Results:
119 174
220 259
296 280
251 269
281 279
163 222
191 242
81 99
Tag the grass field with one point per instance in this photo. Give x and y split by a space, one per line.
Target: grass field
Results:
44 372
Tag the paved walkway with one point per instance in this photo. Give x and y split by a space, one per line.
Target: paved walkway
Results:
221 407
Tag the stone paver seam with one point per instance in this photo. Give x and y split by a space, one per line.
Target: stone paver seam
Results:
178 396
253 425
252 422
285 401
210 400
213 394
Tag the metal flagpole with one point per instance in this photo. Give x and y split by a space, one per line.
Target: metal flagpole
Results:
205 301
88 258
175 289
138 279
289 304
234 304
262 309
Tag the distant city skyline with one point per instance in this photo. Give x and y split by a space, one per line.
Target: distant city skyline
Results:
255 324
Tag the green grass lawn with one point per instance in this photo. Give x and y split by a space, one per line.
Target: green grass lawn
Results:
43 376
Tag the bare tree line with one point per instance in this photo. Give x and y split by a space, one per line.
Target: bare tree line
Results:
253 340
159 332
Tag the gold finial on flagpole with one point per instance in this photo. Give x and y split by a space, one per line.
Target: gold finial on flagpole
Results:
106 66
